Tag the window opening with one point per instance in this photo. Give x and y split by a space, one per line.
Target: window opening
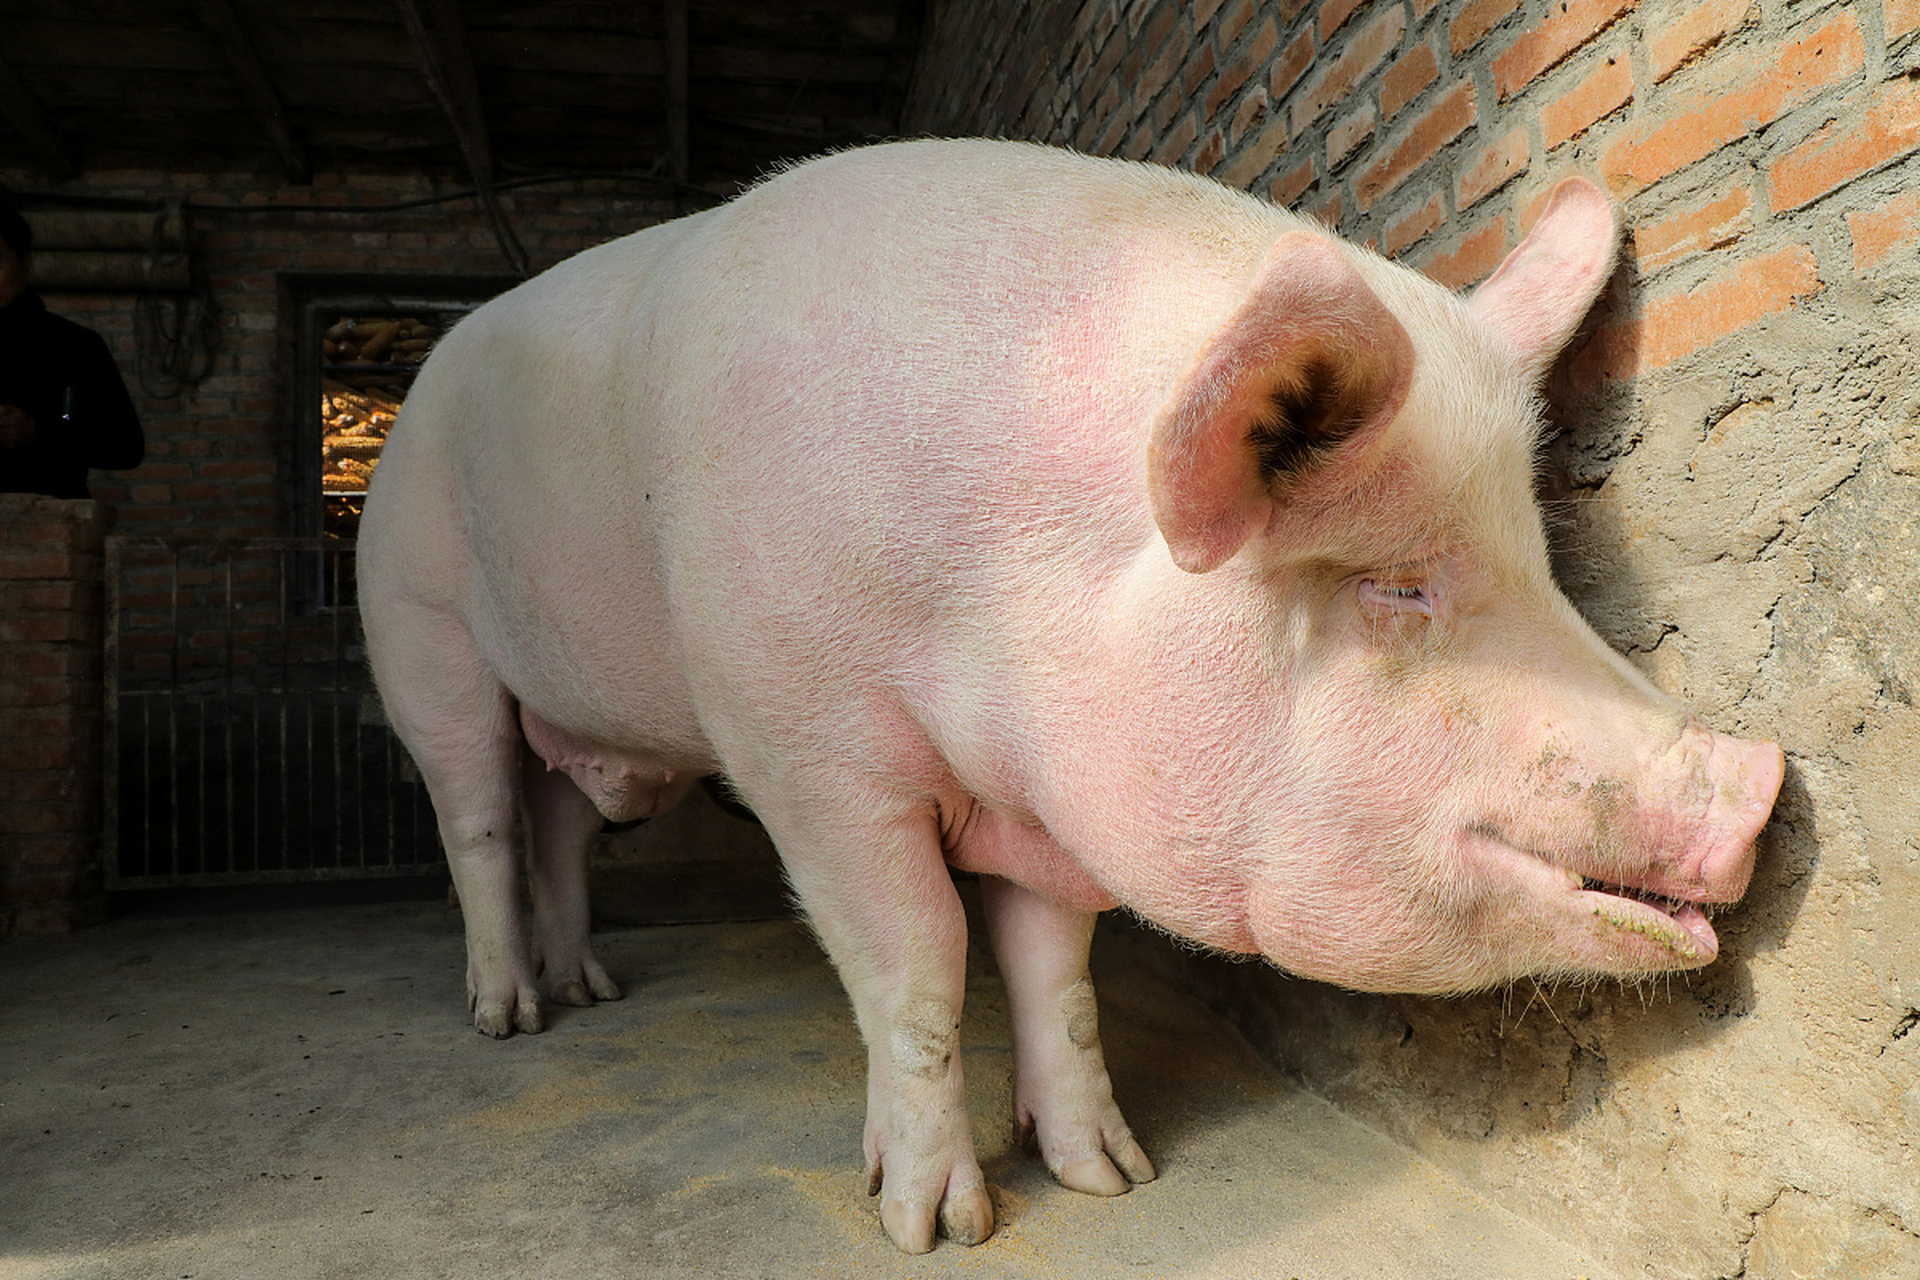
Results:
367 366
360 344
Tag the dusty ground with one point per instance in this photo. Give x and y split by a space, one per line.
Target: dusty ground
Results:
295 1093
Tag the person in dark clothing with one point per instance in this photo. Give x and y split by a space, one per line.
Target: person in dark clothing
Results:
63 406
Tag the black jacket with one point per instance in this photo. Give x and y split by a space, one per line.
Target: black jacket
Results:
62 374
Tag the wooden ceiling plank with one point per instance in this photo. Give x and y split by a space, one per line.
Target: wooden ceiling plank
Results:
678 59
22 111
256 86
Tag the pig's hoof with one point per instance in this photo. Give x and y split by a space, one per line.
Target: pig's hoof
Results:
591 984
964 1217
1094 1176
910 1225
500 1020
579 993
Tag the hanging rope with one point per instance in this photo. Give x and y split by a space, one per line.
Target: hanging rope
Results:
176 333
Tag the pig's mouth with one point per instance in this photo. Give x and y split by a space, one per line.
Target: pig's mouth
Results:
1638 929
1678 924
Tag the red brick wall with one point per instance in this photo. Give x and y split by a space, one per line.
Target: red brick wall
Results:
1430 129
50 712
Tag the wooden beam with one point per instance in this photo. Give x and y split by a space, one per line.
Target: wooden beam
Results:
23 112
678 165
256 87
440 42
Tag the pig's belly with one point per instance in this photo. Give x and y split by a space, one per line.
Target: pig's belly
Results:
623 784
600 687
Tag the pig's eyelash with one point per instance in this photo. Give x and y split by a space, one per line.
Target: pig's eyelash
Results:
1398 597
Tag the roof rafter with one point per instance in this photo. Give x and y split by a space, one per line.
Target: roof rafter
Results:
439 38
223 24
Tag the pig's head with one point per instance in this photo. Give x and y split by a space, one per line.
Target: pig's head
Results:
1458 783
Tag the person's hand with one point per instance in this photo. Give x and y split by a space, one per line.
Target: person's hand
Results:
17 426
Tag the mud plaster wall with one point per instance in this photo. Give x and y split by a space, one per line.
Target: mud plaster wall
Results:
1734 482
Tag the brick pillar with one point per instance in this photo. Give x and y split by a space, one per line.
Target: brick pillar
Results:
52 553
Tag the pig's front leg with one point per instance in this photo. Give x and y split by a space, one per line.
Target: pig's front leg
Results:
1061 1092
885 907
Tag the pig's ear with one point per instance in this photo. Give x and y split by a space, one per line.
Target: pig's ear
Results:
1537 298
1310 358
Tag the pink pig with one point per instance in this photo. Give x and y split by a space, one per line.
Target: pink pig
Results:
1083 524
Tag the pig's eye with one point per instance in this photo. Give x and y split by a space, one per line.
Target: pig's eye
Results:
1395 597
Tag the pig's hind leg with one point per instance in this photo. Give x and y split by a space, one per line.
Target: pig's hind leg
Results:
561 823
1061 1092
458 722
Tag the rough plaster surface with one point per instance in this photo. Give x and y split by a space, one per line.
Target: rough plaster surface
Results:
1746 527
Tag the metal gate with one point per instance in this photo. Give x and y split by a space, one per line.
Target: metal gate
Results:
244 742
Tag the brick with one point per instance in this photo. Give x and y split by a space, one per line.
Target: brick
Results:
1244 64
1446 120
1569 25
1857 144
1402 82
1878 232
1900 18
1474 20
1749 95
1677 324
1473 259
1348 133
1492 169
1333 15
1292 63
1251 158
1364 51
1604 90
1174 145
1411 227
1692 30
1252 110
1198 67
1289 186
1236 16
1679 236
1209 153
34 563
1326 210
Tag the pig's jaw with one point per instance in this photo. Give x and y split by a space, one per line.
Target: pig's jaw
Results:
1598 926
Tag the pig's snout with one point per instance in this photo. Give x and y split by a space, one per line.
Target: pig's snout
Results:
1746 777
1685 840
1703 814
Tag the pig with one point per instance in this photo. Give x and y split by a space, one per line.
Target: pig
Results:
1082 524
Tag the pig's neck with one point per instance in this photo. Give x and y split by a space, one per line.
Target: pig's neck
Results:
1148 786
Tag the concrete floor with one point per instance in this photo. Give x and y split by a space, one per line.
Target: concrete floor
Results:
296 1093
